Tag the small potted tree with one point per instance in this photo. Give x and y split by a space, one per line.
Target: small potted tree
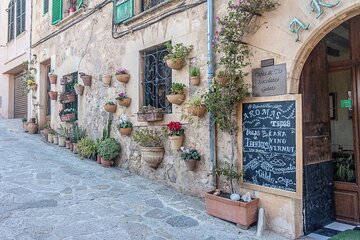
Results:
176 55
190 156
110 107
151 146
123 99
109 149
79 89
176 135
125 126
176 94
196 107
194 73
52 77
85 78
122 75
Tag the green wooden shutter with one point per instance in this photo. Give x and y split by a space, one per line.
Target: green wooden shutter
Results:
80 3
56 11
124 9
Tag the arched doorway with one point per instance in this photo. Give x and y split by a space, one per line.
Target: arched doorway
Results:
330 84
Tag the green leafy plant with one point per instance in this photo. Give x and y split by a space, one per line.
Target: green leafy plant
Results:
230 173
177 51
106 130
220 73
189 153
86 147
149 138
109 149
77 133
177 88
195 101
109 103
124 123
194 72
64 132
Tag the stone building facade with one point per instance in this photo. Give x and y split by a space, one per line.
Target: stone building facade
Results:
90 41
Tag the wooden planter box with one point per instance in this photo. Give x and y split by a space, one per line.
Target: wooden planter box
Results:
150 117
238 212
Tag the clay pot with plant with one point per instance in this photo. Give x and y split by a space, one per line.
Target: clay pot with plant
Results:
86 148
176 57
64 134
125 126
79 89
150 114
32 126
194 73
53 95
190 156
77 133
109 149
151 146
176 94
52 77
123 99
110 107
122 75
86 79
176 135
196 107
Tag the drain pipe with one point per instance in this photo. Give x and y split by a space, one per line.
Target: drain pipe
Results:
210 70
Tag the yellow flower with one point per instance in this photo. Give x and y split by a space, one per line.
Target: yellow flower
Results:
31 82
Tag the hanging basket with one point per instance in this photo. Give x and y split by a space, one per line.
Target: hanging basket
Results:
86 80
53 95
125 102
79 89
107 80
175 63
222 80
177 99
110 108
125 131
198 111
123 78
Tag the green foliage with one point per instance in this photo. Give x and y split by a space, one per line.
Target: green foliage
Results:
229 173
194 72
125 125
109 149
177 51
149 138
86 147
106 130
77 133
64 131
177 88
189 153
195 101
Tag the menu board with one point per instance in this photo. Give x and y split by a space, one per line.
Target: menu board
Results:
269 144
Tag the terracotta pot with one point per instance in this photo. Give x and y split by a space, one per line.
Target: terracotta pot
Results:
53 79
25 126
44 133
62 141
195 81
98 159
74 149
67 144
222 80
105 163
63 118
50 137
152 156
123 78
198 111
125 102
238 212
191 164
32 128
69 98
177 99
110 108
53 95
55 139
176 142
125 131
79 89
175 63
71 146
107 80
86 80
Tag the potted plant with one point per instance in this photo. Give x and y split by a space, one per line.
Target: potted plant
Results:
77 134
151 146
63 135
110 107
191 157
221 77
176 94
175 59
109 149
122 75
53 95
52 77
176 135
31 84
123 99
194 76
106 79
55 138
150 114
69 97
86 148
125 126
32 126
68 115
196 107
86 79
79 89
51 133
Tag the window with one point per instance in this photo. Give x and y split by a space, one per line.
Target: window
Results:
147 4
45 6
124 9
68 6
20 16
11 21
157 79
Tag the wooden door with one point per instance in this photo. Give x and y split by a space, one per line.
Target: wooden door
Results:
20 98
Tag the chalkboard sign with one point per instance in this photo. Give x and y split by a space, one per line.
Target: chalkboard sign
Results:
269 143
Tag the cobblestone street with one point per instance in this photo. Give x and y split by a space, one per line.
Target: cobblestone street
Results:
46 192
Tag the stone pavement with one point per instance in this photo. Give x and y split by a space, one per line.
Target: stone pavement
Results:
46 192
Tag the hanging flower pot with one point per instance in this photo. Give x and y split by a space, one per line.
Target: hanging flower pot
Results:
152 156
53 95
221 78
177 99
175 63
52 78
194 75
125 102
190 157
123 78
106 80
63 81
176 142
86 79
195 81
191 164
198 111
79 89
110 107
125 131
69 97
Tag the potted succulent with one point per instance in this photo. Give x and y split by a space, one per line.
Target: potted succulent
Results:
122 75
123 99
176 94
64 134
86 148
32 126
79 89
31 84
86 79
195 106
52 77
176 135
51 133
221 78
109 149
150 114
151 146
175 59
125 126
55 138
110 107
77 133
53 95
194 73
191 157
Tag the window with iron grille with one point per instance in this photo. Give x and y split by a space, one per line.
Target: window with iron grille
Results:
20 16
11 21
157 79
147 4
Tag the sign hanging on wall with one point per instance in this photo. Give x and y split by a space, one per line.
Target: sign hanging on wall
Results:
270 144
269 81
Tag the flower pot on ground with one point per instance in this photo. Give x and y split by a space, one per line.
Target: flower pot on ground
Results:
52 77
105 163
194 73
79 89
53 95
122 75
86 79
74 149
109 149
150 114
151 146
176 94
67 144
123 99
64 135
62 141
110 107
176 55
50 137
221 78
125 126
98 159
176 135
56 139
86 148
71 146
190 156
32 126
24 124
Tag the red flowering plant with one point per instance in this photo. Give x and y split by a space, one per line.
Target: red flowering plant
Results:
175 129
